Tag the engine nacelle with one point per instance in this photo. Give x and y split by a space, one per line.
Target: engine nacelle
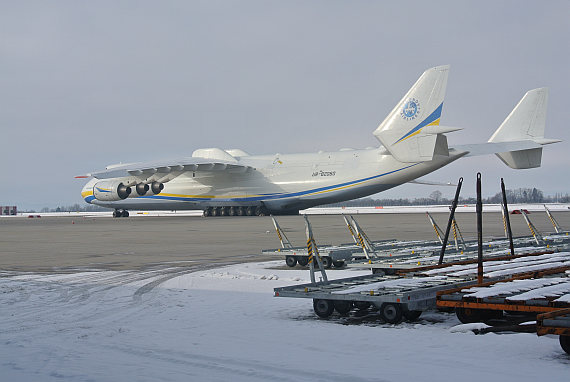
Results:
156 187
110 190
142 189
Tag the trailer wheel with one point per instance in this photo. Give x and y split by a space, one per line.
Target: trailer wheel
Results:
391 313
565 343
412 315
291 261
491 314
327 262
342 306
338 264
303 261
362 305
467 315
323 308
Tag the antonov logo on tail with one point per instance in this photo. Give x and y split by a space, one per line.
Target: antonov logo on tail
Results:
411 109
233 182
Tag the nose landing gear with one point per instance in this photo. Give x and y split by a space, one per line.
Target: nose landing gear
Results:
120 214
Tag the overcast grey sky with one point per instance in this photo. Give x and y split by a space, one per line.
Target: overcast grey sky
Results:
85 84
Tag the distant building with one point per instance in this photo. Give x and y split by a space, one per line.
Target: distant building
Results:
8 210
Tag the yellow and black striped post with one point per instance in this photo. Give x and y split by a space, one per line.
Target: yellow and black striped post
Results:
313 253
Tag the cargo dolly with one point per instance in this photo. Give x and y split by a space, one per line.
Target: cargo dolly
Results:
408 294
545 297
331 255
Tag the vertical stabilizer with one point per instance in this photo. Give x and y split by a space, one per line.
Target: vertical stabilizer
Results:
526 122
405 133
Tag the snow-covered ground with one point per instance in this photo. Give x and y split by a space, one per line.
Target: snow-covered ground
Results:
225 325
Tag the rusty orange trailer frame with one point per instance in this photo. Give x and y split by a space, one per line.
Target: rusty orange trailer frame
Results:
518 306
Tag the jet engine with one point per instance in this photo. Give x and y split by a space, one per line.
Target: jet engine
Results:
142 189
109 190
156 187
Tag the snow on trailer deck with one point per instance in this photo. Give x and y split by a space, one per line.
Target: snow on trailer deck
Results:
418 261
537 295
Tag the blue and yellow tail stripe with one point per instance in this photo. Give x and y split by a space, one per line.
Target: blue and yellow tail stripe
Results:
431 120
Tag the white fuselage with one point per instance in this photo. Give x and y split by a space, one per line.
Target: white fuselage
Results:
283 182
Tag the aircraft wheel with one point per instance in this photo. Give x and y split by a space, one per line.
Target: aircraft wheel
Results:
327 262
303 261
231 211
342 307
239 211
391 313
215 211
291 261
249 211
260 211
208 212
117 214
223 211
125 214
323 308
565 343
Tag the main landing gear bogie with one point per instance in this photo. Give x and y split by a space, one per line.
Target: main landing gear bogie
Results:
236 211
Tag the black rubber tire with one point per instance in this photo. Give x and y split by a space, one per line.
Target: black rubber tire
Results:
214 211
232 211
291 261
207 212
468 315
362 305
239 211
565 343
224 211
302 261
343 307
323 308
249 211
125 214
491 314
338 264
391 313
327 262
412 315
117 214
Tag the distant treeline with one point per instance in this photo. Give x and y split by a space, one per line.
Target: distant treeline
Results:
74 208
520 195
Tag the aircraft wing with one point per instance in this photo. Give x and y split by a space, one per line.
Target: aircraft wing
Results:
181 165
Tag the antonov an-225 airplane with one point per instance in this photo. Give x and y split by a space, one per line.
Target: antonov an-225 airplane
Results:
232 182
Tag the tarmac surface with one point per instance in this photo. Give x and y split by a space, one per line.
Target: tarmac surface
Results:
66 244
